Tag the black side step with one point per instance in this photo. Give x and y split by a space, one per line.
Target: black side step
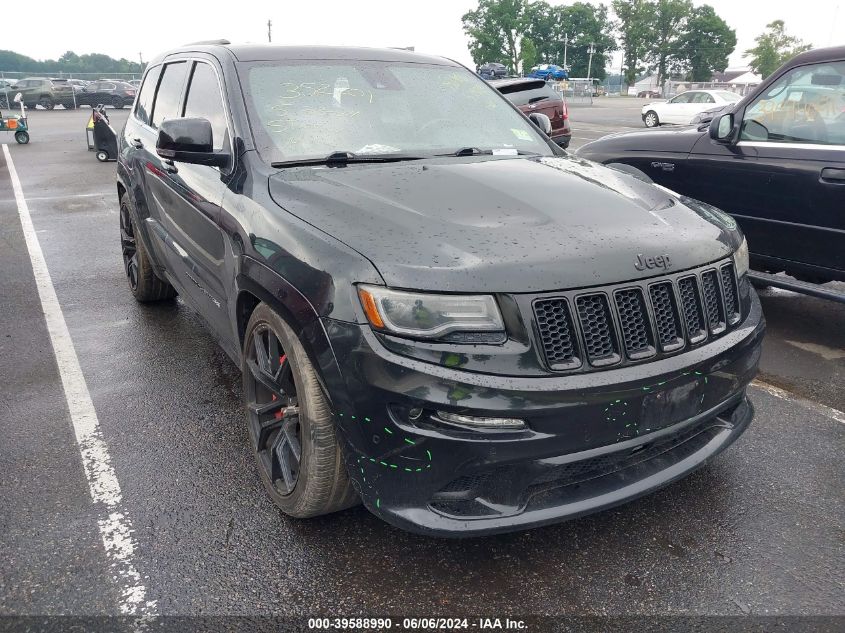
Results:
804 287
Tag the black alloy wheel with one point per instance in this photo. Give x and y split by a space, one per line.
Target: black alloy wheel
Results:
128 245
273 410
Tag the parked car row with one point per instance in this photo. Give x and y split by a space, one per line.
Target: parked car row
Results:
69 93
775 161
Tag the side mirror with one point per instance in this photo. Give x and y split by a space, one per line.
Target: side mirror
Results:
543 122
722 128
189 140
18 98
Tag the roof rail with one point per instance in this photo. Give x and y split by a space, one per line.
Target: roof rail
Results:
220 42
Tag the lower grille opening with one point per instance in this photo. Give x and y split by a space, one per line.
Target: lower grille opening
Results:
509 490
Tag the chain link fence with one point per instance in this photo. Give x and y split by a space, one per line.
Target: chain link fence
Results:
15 75
576 92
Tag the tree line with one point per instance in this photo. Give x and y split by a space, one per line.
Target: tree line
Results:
69 63
669 37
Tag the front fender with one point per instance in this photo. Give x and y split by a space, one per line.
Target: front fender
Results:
256 281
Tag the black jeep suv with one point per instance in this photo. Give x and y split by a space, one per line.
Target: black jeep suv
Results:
441 314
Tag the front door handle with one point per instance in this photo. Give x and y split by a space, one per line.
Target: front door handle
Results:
136 143
833 175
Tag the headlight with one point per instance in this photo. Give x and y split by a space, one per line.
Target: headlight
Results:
741 259
430 316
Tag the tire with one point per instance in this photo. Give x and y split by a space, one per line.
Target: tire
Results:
145 285
102 156
47 103
321 482
117 102
651 119
22 137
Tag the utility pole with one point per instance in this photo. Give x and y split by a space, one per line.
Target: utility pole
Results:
621 73
590 50
269 31
141 58
565 44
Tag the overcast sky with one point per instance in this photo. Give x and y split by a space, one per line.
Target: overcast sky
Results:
125 29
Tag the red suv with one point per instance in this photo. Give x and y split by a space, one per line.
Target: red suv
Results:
535 95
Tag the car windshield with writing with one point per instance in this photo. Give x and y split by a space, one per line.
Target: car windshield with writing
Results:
302 111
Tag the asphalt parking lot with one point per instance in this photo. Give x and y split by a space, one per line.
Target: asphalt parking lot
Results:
760 531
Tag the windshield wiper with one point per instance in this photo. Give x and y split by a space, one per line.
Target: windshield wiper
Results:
474 151
345 158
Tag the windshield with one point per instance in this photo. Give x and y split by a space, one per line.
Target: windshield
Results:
308 110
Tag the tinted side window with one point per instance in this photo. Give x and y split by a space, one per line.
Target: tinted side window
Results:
204 100
169 92
145 99
805 105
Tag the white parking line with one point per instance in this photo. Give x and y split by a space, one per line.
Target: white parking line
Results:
823 409
114 525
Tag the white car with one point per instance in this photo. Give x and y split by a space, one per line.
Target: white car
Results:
682 108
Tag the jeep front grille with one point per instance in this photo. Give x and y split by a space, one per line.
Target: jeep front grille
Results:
636 321
597 328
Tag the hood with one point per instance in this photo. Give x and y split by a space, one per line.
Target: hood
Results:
675 139
500 225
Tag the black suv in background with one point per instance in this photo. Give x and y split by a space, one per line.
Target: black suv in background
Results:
442 315
775 161
106 92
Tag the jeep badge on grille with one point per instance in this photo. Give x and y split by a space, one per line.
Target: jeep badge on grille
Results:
661 261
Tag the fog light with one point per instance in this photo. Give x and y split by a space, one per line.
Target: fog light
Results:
481 423
415 413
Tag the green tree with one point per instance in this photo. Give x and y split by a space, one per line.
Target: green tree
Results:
632 24
668 22
494 29
583 24
528 52
774 47
586 25
706 44
69 63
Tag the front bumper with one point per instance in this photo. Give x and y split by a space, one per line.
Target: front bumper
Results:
593 440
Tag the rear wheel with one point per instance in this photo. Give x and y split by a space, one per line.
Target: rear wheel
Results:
651 119
47 103
22 137
117 102
291 426
143 282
